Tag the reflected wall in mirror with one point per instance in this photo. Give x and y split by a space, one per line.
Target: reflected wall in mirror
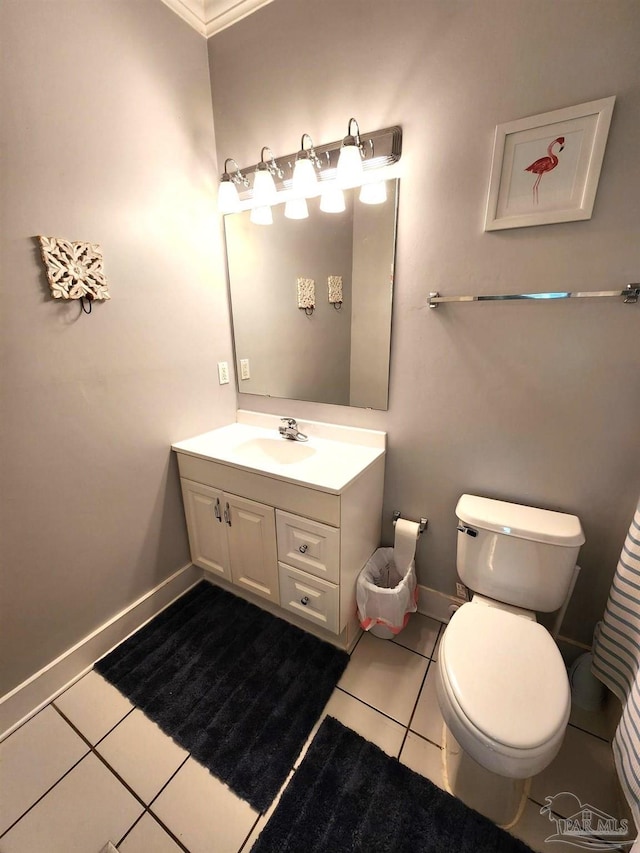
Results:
332 356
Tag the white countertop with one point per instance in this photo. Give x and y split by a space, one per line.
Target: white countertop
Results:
321 463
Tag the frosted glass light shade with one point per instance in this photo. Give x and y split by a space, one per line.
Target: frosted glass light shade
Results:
373 193
261 215
349 171
296 208
332 200
264 188
305 179
228 198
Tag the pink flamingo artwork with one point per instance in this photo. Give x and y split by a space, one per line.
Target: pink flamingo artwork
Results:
545 164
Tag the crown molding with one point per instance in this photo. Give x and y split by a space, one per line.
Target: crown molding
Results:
220 14
212 16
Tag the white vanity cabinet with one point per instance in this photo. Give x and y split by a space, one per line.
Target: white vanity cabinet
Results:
294 548
232 537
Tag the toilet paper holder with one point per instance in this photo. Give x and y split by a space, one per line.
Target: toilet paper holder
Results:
424 522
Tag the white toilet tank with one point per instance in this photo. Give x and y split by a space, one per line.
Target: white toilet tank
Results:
517 554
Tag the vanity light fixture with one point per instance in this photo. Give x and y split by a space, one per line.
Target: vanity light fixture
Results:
305 178
264 187
323 169
228 198
349 171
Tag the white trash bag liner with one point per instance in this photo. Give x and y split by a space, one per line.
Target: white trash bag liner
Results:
385 597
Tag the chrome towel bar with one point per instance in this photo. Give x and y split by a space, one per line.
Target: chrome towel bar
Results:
631 294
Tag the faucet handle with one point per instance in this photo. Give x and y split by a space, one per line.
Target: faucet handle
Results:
290 422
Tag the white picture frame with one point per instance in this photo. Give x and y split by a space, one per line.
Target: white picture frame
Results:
546 168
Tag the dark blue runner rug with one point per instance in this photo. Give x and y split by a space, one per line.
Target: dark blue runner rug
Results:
348 796
235 686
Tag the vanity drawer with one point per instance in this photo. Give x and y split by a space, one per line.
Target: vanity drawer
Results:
312 598
309 545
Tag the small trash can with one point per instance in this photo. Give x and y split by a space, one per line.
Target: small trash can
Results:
385 596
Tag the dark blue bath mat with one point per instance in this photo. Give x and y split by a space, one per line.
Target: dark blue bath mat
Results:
232 684
348 796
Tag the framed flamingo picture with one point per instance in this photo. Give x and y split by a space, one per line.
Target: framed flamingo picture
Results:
546 168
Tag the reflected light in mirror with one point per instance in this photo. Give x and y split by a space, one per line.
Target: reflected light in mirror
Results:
332 200
373 193
261 215
296 208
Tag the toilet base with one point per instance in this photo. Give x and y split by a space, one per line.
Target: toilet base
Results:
499 798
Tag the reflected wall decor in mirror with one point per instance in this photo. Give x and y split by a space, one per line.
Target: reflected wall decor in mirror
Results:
336 354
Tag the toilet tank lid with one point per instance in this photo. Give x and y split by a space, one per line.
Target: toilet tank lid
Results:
524 522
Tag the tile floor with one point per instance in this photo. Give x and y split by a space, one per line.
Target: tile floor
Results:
90 768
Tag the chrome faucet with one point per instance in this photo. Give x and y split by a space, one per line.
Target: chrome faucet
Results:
291 430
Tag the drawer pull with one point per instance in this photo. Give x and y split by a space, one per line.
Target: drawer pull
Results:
217 512
227 514
303 549
304 600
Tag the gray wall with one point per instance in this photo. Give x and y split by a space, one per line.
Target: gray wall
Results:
106 136
291 354
537 403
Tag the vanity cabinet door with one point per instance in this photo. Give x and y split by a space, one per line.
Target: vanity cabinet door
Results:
203 508
251 533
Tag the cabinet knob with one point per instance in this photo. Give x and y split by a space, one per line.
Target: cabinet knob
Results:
304 600
303 549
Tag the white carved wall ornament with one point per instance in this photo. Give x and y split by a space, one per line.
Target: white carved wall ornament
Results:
74 269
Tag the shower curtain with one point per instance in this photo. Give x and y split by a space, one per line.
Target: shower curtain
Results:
616 662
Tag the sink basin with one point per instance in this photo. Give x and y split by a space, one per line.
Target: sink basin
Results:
326 462
280 450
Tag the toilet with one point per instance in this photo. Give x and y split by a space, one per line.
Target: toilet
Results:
502 685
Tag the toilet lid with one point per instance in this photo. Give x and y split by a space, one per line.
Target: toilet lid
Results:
506 674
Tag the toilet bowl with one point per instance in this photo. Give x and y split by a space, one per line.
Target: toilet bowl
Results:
505 699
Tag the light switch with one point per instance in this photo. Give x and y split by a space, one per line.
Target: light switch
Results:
244 369
223 372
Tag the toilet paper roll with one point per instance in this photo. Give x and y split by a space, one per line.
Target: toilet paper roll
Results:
404 543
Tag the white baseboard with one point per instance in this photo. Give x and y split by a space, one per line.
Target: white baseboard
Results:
37 691
436 604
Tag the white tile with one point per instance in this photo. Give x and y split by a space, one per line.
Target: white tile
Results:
81 813
423 757
147 836
142 754
367 722
601 723
427 719
434 655
385 676
583 767
33 758
202 812
420 635
534 828
93 705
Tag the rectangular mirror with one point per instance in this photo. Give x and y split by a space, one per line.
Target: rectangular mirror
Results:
335 355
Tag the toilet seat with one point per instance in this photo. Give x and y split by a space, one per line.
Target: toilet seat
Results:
503 689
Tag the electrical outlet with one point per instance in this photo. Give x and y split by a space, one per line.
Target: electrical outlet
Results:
223 372
244 369
461 591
